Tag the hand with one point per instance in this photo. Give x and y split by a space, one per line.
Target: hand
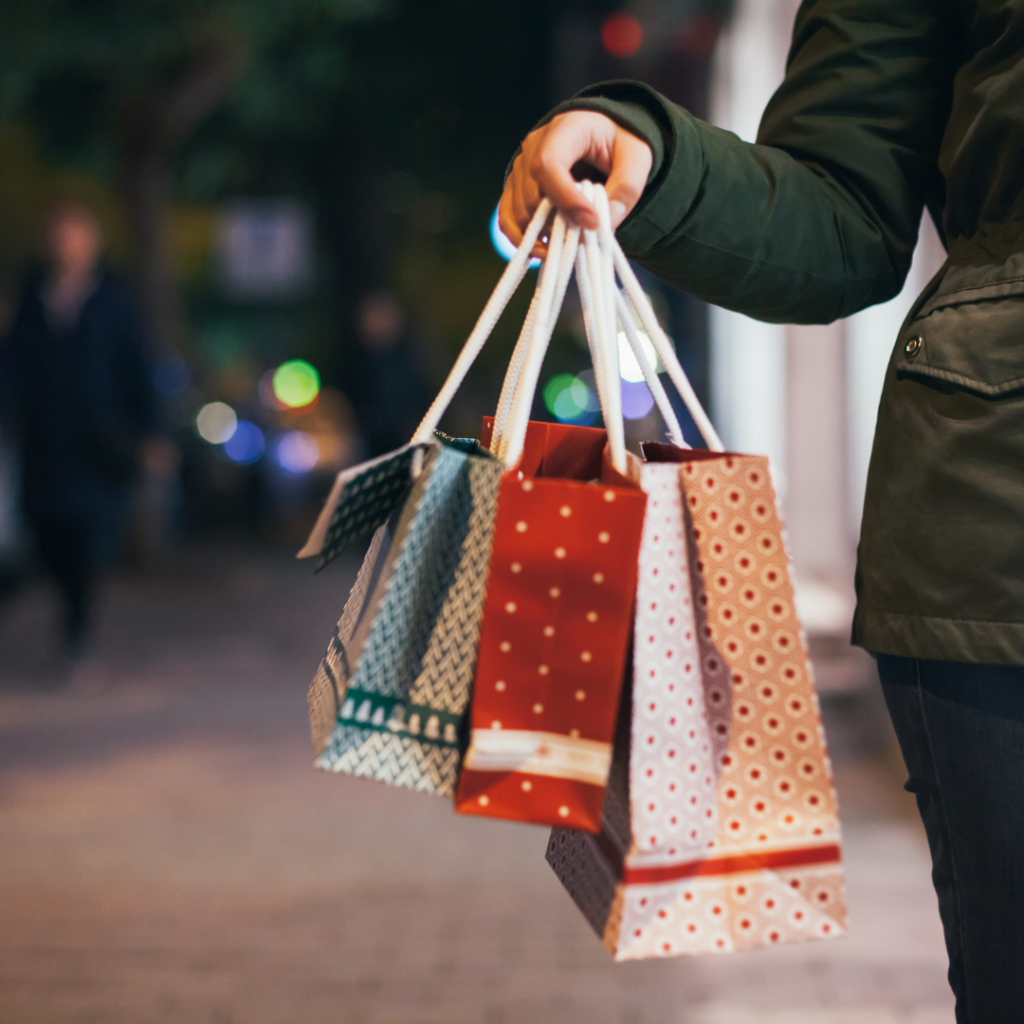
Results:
544 168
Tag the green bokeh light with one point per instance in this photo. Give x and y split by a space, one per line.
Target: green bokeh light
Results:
567 397
296 384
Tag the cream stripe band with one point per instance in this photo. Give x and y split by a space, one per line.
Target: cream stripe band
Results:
539 753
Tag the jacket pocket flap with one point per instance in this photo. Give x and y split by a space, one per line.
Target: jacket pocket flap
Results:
974 340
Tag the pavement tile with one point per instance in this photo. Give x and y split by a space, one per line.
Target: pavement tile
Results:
167 852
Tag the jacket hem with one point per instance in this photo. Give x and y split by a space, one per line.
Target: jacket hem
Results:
938 639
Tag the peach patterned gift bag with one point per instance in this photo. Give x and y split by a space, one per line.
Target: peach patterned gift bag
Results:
720 828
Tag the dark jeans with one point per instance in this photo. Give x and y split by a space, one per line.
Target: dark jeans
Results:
961 729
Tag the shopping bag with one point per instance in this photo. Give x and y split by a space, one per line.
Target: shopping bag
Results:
557 616
555 634
389 698
399 667
720 828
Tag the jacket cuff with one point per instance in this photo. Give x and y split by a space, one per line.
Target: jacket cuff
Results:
674 180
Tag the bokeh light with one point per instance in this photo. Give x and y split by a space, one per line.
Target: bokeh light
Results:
629 368
296 452
621 34
246 445
216 422
637 400
504 248
569 399
296 384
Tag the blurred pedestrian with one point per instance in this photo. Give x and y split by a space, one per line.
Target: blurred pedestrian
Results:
385 379
76 395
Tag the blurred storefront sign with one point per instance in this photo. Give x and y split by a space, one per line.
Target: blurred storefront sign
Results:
265 250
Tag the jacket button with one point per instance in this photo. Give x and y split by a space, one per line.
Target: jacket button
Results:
913 346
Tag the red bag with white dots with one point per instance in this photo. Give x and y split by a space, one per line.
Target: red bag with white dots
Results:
555 634
558 613
720 828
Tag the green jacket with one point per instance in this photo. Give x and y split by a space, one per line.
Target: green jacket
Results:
887 106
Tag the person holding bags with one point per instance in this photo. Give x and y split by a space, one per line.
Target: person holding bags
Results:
887 106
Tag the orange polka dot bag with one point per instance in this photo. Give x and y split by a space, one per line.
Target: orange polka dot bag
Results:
720 828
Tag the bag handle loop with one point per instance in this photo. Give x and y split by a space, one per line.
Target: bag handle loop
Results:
561 256
509 282
651 379
640 304
528 336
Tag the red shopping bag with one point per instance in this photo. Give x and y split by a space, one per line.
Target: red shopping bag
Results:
555 635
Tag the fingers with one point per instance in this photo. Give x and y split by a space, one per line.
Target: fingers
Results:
545 166
631 164
549 167
506 218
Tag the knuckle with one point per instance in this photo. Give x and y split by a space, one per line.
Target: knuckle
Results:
629 192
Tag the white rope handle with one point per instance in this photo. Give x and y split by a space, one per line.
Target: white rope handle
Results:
563 269
601 272
561 253
509 282
654 385
666 353
515 366
587 305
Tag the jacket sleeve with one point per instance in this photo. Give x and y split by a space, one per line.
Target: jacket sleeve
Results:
819 218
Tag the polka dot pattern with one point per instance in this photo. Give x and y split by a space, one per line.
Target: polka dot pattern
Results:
565 559
763 867
672 776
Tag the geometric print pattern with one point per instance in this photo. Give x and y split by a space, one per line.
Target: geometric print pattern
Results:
772 871
366 500
331 679
407 642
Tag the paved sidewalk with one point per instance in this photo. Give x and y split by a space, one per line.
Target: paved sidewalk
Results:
167 853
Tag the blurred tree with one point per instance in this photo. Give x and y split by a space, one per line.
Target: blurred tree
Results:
120 84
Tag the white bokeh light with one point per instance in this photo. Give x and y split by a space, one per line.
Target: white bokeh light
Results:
216 422
629 368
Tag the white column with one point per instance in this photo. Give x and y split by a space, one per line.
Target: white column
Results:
748 358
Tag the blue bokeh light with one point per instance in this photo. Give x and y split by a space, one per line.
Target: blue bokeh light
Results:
246 445
637 400
504 248
296 452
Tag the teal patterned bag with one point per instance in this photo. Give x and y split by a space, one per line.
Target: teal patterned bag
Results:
389 698
361 500
392 692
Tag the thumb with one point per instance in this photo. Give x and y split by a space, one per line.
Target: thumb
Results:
632 160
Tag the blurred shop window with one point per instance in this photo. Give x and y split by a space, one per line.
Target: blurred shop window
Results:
265 250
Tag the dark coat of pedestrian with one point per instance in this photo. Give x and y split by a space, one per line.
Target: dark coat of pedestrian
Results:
77 399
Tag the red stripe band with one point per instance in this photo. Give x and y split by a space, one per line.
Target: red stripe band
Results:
719 865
